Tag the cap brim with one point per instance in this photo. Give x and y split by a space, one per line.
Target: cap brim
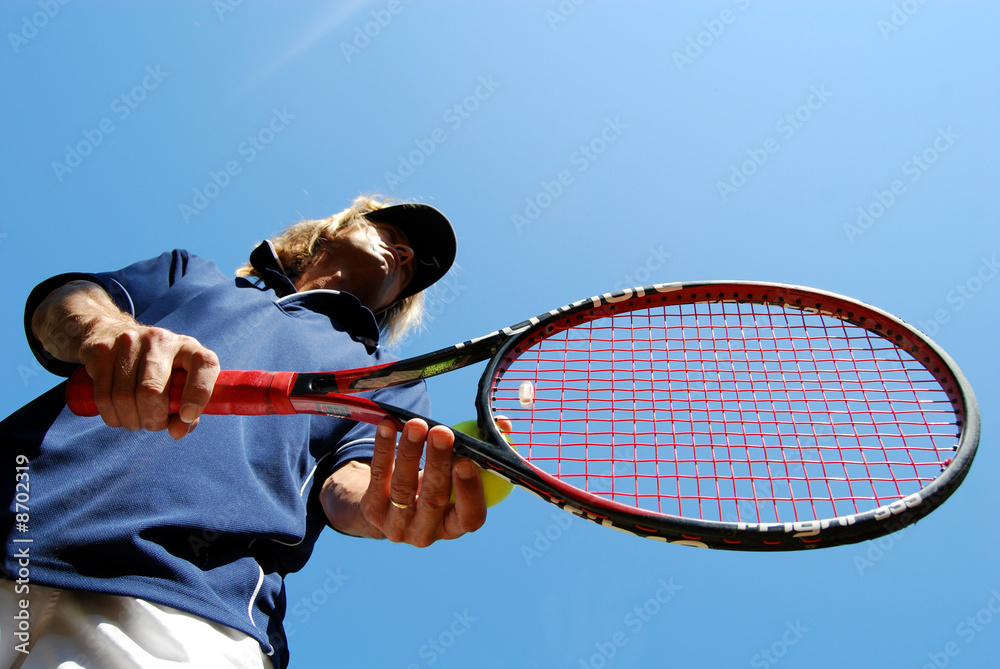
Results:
431 237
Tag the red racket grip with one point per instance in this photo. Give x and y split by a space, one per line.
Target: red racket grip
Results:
236 393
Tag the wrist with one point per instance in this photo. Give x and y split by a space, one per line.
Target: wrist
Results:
70 314
341 497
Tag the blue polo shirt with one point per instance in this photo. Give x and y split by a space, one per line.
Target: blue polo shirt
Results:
209 524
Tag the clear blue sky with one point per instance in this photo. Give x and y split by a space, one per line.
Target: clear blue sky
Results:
578 147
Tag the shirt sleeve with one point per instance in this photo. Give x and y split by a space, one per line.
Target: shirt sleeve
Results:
132 289
359 442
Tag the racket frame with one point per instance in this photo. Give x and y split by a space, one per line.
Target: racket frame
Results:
335 394
779 536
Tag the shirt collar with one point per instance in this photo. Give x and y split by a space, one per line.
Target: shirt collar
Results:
264 259
344 310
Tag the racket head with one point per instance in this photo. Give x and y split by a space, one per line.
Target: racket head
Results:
737 415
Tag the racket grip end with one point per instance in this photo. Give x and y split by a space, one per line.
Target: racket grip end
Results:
80 393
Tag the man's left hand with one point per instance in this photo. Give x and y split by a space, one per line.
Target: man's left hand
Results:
392 498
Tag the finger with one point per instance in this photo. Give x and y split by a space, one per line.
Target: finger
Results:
153 369
435 486
178 429
504 424
406 468
469 512
202 367
100 364
376 498
424 527
127 349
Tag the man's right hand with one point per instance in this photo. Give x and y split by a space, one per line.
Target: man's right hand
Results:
130 363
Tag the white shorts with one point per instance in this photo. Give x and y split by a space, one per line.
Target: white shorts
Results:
71 629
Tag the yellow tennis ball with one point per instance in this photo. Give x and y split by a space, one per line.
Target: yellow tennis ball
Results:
496 488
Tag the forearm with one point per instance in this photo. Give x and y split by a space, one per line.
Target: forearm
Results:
69 313
130 363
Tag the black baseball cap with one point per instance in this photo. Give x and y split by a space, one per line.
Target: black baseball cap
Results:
431 237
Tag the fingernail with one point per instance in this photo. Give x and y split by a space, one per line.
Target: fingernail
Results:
384 431
189 413
466 470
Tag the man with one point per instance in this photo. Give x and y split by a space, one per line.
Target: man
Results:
191 536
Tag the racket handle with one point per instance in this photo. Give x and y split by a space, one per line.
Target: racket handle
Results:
236 393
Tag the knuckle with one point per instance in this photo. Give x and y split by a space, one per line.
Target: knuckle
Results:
377 475
122 397
474 523
403 493
395 535
96 354
408 455
148 390
209 357
435 505
200 354
156 335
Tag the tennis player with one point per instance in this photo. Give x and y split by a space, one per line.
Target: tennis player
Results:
140 538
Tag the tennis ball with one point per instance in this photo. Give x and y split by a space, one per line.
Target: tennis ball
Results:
496 488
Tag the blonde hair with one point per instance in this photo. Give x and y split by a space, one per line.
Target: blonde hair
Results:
297 245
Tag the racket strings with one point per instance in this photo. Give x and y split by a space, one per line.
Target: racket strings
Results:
729 411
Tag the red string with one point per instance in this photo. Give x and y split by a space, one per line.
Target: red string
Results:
729 411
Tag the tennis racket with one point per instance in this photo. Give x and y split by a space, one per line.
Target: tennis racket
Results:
745 416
